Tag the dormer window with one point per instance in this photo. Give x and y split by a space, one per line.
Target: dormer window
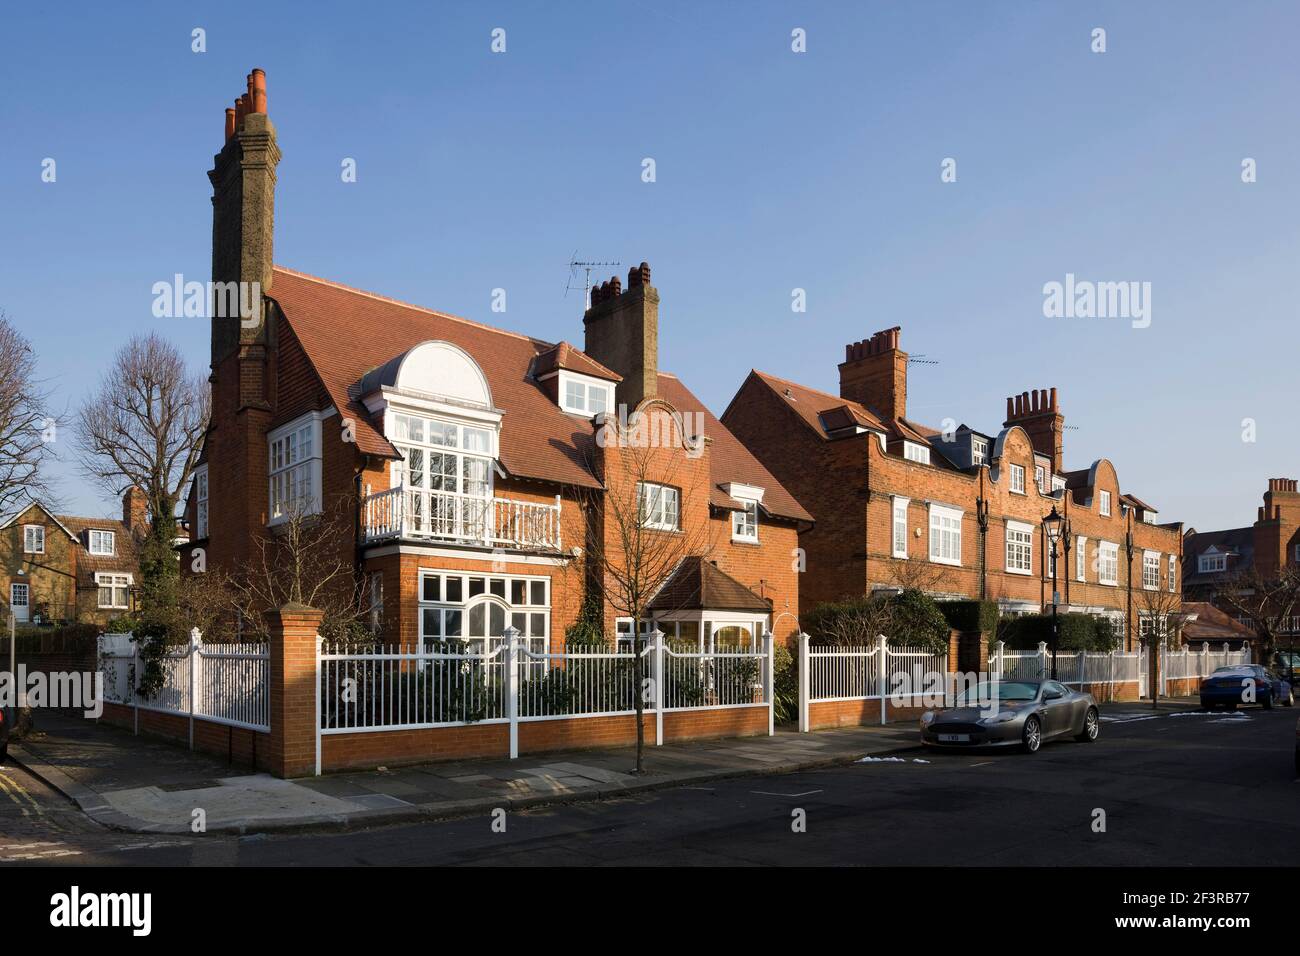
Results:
102 542
1040 479
979 450
1209 563
914 452
294 472
1105 504
584 395
744 523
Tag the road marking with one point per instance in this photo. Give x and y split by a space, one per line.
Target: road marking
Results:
806 793
34 853
985 763
11 786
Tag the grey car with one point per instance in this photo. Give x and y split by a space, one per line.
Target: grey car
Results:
1013 713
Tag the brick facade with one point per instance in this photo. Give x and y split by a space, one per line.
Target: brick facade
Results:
847 464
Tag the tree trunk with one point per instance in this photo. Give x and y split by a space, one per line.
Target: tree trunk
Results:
638 678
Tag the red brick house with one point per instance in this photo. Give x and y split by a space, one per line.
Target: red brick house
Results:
470 453
1268 548
895 501
57 569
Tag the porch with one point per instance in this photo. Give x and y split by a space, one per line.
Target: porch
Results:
449 517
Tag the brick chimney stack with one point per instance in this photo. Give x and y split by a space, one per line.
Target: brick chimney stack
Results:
1038 413
135 511
243 208
1277 532
874 373
243 362
622 333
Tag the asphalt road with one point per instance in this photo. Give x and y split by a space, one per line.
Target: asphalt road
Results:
1175 790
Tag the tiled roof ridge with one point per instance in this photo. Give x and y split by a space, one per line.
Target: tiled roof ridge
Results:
408 305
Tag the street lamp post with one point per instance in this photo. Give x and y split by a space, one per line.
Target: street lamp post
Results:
1052 524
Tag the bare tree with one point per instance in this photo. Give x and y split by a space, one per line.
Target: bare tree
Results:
914 575
1162 617
637 534
26 431
144 426
305 559
1266 602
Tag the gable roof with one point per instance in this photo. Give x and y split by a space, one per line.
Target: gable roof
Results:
563 355
698 585
812 404
539 440
14 516
125 558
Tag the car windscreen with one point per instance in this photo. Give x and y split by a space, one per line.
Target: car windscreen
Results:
1233 672
1007 690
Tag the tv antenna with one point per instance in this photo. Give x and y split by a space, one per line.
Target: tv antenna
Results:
920 359
574 265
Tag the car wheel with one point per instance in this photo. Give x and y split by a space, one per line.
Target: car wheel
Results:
1290 697
1032 738
1091 726
1267 701
1207 706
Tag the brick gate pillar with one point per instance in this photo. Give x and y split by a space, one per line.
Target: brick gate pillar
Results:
293 689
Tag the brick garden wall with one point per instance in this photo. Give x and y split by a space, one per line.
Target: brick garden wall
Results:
239 745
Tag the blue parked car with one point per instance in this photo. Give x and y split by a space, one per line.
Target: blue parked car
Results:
1227 687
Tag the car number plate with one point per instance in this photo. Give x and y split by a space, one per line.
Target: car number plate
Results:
954 738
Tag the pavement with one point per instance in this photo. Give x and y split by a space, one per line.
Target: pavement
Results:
143 784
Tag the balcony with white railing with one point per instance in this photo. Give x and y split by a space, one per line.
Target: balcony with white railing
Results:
414 514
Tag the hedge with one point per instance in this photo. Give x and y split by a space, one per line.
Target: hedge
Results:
914 620
969 615
1078 632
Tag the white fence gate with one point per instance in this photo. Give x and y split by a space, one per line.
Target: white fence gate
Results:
222 683
377 687
1186 664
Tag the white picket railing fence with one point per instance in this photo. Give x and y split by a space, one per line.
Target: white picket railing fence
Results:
1185 663
1072 667
385 688
829 673
222 683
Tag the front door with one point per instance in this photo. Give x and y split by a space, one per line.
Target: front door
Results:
18 602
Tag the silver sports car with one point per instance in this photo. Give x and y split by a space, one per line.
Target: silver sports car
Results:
1012 713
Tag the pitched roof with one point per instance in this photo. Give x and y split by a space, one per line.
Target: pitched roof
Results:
729 459
811 404
1212 625
538 439
1238 542
570 357
698 585
125 559
13 516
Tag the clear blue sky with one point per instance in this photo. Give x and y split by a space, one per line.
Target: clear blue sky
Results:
775 170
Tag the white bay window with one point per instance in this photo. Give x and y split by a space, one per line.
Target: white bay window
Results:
295 468
945 534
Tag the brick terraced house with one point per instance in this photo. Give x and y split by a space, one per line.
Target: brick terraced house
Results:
471 455
57 569
896 502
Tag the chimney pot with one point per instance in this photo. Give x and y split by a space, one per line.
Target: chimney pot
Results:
615 285
645 272
230 122
257 90
1011 411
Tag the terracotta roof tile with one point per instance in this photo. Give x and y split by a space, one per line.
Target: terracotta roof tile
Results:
570 357
699 585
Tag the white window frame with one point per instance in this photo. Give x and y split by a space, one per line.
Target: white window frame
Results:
1081 558
1108 554
450 492
201 501
945 534
1173 572
487 589
897 523
744 523
979 450
1151 570
1018 556
90 542
294 486
1209 563
113 582
32 532
14 588
1040 479
1103 506
652 505
914 452
584 395
1017 479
